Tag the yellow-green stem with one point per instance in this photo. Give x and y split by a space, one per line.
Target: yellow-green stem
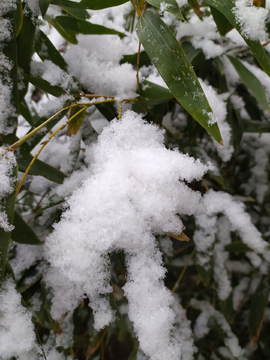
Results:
183 272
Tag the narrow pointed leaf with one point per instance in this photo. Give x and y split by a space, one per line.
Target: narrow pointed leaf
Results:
25 112
181 237
223 24
259 302
22 232
75 124
18 17
226 7
79 26
73 8
40 168
170 5
44 4
251 82
153 94
68 35
98 5
46 50
172 63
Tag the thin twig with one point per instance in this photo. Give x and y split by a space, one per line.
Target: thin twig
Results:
183 272
120 110
138 65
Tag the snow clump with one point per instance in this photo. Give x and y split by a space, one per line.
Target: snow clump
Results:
135 189
251 19
7 162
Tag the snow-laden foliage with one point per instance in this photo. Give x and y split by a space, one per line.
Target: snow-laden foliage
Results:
142 230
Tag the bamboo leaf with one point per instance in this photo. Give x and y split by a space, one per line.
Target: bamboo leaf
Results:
237 246
259 302
25 46
40 168
18 17
173 65
22 233
79 26
226 7
223 24
44 4
46 50
181 237
170 5
98 5
8 205
251 82
72 8
153 94
75 124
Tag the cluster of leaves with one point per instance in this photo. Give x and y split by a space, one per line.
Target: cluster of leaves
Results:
176 61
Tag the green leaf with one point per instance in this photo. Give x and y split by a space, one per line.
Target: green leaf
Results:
190 51
18 17
46 50
7 205
40 168
237 246
171 6
205 274
153 94
45 85
25 45
44 4
223 24
173 65
79 26
226 307
68 35
259 301
251 82
256 126
30 277
25 112
225 7
98 4
75 124
22 233
72 8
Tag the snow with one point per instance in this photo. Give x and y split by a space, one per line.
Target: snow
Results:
221 202
251 19
17 337
7 163
134 192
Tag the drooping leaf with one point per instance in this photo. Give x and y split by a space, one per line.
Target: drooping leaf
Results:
72 8
251 82
237 246
98 5
226 307
18 17
67 34
259 301
46 50
7 205
173 65
169 5
25 44
44 4
75 124
25 112
79 26
226 7
196 7
40 168
223 24
181 237
256 126
153 94
22 232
